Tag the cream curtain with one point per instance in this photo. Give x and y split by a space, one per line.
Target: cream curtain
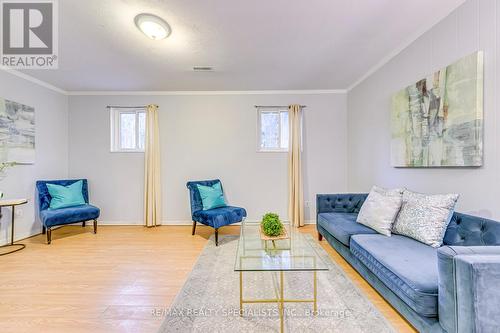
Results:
296 196
152 182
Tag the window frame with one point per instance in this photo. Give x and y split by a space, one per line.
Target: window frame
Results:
260 149
115 127
259 130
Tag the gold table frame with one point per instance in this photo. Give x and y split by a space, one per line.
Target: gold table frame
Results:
280 296
13 204
277 272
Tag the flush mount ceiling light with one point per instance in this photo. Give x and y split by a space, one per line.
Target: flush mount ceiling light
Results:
153 26
203 69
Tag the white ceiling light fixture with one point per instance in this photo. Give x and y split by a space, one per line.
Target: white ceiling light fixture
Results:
203 69
153 26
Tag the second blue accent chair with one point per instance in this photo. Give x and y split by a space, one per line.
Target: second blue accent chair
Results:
54 217
215 218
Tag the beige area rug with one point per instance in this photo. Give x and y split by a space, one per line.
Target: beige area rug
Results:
209 300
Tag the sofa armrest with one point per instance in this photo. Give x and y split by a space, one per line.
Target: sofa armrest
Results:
478 295
466 297
339 203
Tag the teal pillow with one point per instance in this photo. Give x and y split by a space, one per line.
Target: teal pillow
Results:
211 196
66 196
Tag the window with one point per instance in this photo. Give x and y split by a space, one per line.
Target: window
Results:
273 129
128 130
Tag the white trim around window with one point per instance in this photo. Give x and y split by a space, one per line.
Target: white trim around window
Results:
137 144
282 141
283 148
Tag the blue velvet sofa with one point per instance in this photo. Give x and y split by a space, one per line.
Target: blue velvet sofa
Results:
455 288
56 217
216 217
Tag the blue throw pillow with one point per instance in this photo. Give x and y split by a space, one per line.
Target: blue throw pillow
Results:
66 196
211 196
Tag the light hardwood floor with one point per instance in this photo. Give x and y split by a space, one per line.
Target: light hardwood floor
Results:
113 281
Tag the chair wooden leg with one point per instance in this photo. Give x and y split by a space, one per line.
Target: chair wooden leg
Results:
44 230
216 237
83 224
95 226
320 237
49 235
194 228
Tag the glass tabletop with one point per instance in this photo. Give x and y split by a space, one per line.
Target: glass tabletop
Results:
292 254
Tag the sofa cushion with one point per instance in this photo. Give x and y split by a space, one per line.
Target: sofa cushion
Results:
342 226
53 217
405 266
43 192
425 217
381 209
211 196
66 196
219 217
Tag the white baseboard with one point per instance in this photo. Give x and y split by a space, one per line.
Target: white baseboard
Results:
104 222
174 222
20 236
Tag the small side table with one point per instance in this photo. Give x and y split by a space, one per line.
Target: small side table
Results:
13 204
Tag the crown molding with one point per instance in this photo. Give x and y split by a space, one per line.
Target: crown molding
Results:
206 93
34 80
399 49
169 93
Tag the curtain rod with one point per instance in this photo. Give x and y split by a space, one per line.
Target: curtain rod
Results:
126 107
276 106
145 106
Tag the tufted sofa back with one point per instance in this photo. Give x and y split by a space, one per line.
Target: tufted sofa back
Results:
463 230
340 203
468 230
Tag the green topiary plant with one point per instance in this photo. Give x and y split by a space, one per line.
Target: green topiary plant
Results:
271 225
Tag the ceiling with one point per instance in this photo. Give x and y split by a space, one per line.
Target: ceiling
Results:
253 45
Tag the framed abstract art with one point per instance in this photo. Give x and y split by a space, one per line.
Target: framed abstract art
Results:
438 121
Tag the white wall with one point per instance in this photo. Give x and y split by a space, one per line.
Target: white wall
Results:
473 26
205 137
51 121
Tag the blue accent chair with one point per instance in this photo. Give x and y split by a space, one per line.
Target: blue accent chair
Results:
452 289
56 217
215 218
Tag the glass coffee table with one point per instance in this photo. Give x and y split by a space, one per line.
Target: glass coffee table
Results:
294 254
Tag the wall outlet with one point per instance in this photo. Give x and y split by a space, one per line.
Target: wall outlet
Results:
307 204
19 212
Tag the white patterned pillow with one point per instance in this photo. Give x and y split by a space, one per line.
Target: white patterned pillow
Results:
380 209
425 217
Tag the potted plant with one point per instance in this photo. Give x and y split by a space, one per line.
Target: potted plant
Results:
4 166
271 227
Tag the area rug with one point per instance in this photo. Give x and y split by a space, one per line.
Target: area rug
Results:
209 300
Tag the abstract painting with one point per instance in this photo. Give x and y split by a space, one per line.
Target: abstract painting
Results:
17 132
438 121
